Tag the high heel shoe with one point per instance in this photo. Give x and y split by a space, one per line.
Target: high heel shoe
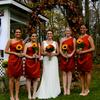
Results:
29 97
81 94
68 92
16 98
34 97
85 93
12 98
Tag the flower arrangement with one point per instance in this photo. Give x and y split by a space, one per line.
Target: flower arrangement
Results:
80 45
35 47
5 63
50 48
65 49
19 48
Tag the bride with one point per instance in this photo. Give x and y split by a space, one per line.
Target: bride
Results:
50 84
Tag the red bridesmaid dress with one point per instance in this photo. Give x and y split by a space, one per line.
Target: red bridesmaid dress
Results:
15 64
68 65
85 60
32 66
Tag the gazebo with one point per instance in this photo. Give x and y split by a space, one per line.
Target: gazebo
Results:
12 14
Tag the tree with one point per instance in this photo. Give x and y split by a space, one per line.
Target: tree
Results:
87 13
71 9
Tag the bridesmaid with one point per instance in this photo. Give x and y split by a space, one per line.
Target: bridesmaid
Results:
32 65
14 48
67 62
85 60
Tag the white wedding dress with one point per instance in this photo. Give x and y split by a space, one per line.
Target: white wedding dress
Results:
50 84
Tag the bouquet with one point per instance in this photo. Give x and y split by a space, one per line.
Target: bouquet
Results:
50 48
19 48
35 49
64 49
5 63
80 44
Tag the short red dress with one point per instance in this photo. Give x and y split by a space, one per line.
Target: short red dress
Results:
15 64
85 60
32 66
68 65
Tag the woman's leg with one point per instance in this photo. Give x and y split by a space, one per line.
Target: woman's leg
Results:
65 82
82 78
17 85
11 88
35 86
69 75
28 84
88 80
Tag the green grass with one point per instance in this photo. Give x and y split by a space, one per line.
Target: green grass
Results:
94 91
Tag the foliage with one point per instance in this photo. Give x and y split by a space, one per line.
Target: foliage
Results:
96 60
57 37
57 22
5 63
69 9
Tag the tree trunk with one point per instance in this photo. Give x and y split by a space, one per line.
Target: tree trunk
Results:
87 13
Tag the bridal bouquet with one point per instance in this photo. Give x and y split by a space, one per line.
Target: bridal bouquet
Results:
50 48
80 44
65 49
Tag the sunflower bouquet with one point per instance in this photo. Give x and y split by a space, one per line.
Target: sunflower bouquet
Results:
35 49
19 48
65 49
80 44
50 48
5 63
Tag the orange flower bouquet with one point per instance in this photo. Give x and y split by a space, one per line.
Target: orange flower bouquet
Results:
80 44
50 48
35 49
65 49
19 48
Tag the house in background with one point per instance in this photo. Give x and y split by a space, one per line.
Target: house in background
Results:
13 13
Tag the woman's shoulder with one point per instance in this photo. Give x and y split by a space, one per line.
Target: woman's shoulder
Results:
63 39
44 41
27 44
87 36
11 41
54 42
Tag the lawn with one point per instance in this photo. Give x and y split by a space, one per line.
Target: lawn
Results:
94 90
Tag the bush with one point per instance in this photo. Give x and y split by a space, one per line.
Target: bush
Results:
5 63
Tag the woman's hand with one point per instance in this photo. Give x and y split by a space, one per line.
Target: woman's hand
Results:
35 56
69 55
53 54
19 54
78 51
64 55
48 54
